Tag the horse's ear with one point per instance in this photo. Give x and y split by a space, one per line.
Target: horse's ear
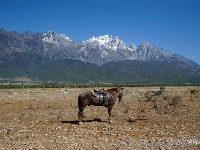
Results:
119 89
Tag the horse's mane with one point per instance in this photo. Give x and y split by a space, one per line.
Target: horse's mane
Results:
113 89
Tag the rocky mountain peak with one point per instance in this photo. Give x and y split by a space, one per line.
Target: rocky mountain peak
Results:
106 41
58 39
144 44
2 30
132 47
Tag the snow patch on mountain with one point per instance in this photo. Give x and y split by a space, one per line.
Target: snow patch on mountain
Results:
54 38
132 47
106 42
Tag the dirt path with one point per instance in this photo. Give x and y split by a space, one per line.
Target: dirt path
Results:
46 119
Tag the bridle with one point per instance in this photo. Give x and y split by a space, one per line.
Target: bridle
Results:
120 94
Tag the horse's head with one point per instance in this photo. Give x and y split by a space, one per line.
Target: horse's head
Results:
120 93
116 93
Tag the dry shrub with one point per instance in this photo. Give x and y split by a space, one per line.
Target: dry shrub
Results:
150 95
193 93
175 101
162 102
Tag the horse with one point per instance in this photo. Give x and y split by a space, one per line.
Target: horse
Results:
88 98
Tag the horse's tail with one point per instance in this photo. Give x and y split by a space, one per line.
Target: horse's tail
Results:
79 101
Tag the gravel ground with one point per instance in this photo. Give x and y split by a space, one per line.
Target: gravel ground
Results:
47 119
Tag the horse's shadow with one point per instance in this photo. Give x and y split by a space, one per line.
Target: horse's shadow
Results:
70 122
76 122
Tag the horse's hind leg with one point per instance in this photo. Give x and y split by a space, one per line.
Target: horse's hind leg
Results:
80 115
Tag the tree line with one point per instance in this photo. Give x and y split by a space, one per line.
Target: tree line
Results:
61 85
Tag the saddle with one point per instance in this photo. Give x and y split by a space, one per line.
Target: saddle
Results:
102 95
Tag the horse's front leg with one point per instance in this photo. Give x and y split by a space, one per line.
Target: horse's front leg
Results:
109 113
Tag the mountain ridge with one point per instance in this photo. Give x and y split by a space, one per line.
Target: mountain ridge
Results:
96 50
48 56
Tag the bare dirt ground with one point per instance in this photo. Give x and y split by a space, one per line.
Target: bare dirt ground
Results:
47 119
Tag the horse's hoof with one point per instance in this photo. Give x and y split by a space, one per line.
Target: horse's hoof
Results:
80 123
110 121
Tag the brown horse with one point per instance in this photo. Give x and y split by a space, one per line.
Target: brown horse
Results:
88 98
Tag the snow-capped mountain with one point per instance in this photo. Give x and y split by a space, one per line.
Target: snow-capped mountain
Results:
54 38
106 42
96 50
103 49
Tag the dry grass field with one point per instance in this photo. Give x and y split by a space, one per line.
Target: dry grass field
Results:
47 119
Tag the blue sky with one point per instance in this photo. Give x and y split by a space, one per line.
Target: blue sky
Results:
170 24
